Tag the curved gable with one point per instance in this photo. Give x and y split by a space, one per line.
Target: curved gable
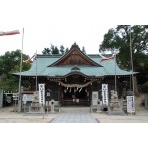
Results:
75 57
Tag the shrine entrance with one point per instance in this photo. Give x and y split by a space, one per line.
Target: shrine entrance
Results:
75 91
75 97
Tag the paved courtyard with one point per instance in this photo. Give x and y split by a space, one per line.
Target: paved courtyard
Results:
74 118
8 116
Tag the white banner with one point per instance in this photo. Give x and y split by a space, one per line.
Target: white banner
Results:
105 94
42 94
130 104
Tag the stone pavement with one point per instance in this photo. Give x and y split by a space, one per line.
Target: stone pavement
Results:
7 116
74 118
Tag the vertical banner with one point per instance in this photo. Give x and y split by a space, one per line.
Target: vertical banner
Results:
105 94
130 104
42 94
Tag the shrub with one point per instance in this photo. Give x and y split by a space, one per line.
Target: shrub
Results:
142 103
144 87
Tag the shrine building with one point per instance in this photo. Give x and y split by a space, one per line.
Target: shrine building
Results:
74 76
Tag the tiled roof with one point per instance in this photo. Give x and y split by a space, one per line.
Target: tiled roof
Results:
42 67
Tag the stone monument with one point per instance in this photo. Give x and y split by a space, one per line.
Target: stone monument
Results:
114 106
35 106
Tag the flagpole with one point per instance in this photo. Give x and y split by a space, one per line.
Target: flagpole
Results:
36 72
115 75
131 62
19 99
132 67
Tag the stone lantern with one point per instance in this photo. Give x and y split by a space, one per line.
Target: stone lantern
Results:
47 95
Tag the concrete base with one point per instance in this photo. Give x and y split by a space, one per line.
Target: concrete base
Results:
35 110
52 111
115 108
35 113
115 112
98 111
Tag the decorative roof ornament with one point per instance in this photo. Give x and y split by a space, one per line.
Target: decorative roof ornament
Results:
75 68
75 46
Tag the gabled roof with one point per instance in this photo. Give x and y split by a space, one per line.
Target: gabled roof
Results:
75 57
54 65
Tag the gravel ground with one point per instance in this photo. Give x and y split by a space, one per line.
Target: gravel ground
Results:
8 115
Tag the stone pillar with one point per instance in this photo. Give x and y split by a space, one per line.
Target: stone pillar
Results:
98 107
52 106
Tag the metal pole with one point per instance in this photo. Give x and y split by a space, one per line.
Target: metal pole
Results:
132 70
115 75
36 71
19 93
131 62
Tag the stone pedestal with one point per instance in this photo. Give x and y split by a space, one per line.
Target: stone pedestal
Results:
98 107
114 106
35 106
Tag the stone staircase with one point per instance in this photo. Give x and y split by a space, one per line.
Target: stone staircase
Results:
75 110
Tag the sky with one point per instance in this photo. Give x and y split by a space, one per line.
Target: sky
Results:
63 22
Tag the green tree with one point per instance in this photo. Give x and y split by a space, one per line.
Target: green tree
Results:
55 50
62 49
66 50
120 38
46 51
9 64
52 50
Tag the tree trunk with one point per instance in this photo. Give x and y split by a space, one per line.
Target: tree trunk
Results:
135 87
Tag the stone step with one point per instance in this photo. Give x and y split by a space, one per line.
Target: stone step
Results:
75 109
